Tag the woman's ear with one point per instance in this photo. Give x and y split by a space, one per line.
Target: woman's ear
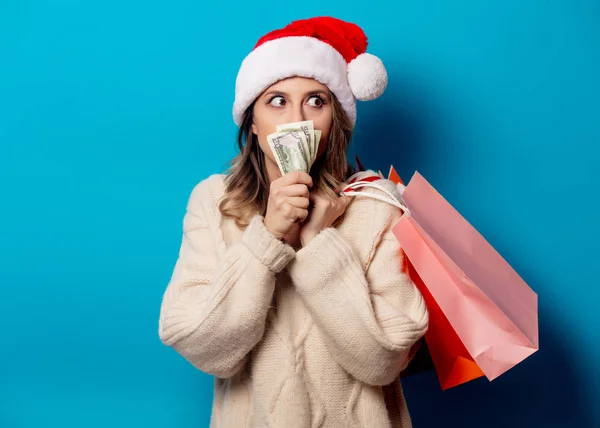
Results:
254 130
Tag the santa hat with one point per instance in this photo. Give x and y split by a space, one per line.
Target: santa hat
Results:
329 50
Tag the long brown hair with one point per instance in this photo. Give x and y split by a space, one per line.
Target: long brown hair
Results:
247 184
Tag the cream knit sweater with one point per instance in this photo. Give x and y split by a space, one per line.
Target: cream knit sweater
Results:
307 339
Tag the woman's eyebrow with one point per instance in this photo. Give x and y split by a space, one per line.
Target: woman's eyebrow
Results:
279 93
317 92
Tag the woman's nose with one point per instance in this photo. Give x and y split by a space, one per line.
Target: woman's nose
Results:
297 113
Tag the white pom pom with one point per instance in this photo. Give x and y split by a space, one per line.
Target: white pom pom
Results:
367 77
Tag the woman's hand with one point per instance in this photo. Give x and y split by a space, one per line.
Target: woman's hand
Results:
288 203
324 213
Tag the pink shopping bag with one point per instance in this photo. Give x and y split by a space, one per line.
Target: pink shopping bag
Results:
489 306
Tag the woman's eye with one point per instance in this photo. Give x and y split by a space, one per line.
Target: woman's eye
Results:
315 102
277 101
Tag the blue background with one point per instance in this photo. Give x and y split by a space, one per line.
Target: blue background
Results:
111 111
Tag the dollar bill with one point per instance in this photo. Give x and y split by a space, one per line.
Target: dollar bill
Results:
289 150
318 140
295 146
307 128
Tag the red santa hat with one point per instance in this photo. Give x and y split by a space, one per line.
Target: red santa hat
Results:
326 49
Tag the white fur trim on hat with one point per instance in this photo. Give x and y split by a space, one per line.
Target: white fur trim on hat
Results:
367 77
289 57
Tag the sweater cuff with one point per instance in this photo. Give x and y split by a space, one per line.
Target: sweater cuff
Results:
272 252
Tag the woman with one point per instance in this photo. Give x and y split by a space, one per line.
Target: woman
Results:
291 296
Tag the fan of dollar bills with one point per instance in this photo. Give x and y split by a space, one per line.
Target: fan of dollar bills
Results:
295 146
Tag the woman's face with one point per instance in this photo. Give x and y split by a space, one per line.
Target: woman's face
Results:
292 100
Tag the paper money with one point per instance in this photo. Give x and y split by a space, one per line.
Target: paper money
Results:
289 151
309 133
295 146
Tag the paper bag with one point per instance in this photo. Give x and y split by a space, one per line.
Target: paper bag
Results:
449 357
469 288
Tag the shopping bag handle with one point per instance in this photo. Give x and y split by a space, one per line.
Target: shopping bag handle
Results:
350 190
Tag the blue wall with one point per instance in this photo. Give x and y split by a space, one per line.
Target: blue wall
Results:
111 111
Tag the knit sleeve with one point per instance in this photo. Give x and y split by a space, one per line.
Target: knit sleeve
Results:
370 318
214 308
